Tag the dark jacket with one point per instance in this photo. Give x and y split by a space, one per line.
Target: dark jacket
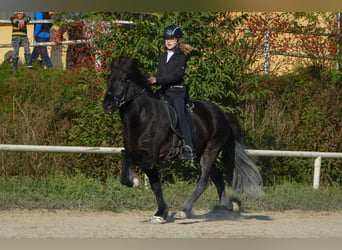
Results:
172 72
42 29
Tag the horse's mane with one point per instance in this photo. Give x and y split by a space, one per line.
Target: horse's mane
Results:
130 66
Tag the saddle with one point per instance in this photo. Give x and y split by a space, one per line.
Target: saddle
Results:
177 136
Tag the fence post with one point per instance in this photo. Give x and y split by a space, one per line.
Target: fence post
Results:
317 171
338 22
267 55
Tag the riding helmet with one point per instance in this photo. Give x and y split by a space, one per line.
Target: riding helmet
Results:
172 31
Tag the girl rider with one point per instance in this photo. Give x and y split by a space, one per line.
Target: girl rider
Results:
170 76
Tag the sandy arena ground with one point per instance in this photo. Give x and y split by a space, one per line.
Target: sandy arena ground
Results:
37 224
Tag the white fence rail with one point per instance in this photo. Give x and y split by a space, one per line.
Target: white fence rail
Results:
115 150
302 154
48 43
33 44
59 149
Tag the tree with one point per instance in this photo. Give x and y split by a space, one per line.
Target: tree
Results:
216 66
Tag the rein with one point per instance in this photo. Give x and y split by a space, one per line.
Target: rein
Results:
122 101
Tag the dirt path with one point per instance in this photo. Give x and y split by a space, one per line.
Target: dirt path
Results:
76 224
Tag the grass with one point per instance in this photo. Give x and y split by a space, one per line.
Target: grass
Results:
297 196
83 193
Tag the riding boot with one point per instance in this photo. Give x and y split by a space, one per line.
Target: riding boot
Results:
187 151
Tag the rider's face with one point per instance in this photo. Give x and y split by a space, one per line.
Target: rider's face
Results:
170 43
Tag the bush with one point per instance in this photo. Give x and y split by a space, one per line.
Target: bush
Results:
302 113
37 110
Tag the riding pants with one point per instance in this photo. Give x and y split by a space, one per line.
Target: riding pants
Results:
176 96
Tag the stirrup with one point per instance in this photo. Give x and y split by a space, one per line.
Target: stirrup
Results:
187 148
190 106
173 152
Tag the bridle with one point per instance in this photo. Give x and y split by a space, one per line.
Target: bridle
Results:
121 100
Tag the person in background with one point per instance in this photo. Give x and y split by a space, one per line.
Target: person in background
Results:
19 38
42 34
76 53
170 76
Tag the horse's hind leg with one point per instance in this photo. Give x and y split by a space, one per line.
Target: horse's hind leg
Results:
218 180
202 184
156 186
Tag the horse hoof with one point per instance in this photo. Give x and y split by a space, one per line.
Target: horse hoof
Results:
157 220
180 215
135 182
236 207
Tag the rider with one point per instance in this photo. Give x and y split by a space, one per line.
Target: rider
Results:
170 76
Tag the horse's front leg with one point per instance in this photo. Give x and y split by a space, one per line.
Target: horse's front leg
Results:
127 176
156 186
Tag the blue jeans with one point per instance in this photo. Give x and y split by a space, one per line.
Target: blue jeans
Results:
17 42
42 51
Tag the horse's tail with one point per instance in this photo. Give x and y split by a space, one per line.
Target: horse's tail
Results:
241 173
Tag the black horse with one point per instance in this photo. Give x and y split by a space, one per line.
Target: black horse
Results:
148 138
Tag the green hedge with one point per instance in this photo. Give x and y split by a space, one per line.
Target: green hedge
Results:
303 112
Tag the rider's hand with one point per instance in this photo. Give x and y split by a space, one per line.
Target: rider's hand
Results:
152 79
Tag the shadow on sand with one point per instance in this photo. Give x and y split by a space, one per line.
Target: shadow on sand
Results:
218 214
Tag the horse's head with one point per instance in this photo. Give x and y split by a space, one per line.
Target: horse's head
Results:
124 83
